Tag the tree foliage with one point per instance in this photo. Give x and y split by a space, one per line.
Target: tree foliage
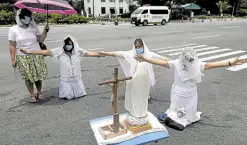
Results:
223 6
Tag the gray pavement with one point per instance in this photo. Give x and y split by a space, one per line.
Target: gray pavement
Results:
222 95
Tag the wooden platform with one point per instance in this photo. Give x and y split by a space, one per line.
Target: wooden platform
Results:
137 129
107 131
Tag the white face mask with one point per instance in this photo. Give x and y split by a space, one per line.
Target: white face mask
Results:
26 20
68 47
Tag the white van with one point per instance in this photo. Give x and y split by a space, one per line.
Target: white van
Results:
150 15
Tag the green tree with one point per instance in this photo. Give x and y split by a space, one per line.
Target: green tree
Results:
243 4
223 6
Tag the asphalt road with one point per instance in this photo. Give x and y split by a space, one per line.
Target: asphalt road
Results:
222 95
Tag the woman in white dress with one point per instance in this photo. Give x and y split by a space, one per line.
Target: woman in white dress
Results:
69 56
32 68
137 89
187 72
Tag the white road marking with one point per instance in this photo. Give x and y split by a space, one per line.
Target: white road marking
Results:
172 50
231 59
167 32
238 67
175 46
230 27
54 41
205 37
222 55
212 52
197 50
96 49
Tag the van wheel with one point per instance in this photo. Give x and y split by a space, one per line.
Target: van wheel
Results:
145 23
163 22
137 24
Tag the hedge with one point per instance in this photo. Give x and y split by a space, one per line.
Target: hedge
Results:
7 17
242 12
212 16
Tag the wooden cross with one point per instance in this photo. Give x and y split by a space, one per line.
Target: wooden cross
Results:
116 83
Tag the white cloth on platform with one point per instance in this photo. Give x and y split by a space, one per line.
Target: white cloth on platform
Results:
184 93
71 84
100 122
137 89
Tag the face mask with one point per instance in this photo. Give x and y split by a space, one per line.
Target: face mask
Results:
26 20
68 47
139 51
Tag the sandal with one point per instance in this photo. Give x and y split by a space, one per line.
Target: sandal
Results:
40 96
32 99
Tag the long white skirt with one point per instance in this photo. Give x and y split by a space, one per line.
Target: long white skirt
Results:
71 89
183 108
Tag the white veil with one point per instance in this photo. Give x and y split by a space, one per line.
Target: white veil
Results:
19 23
128 62
189 71
61 50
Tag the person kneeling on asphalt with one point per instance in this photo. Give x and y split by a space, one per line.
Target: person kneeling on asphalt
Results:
187 72
69 56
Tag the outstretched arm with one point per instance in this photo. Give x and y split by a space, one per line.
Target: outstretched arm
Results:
102 53
153 61
217 64
36 52
164 58
91 54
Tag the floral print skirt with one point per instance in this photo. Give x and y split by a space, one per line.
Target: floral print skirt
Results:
32 67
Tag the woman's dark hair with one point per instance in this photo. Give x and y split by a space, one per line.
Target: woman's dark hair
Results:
139 41
25 12
67 40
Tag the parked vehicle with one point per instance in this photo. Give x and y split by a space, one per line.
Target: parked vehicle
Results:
150 15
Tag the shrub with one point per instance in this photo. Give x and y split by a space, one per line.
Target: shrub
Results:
6 7
177 15
242 12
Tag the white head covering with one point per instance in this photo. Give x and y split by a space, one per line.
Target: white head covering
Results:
75 49
189 66
128 62
19 23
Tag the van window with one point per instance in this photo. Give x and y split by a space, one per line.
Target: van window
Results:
138 11
159 11
145 12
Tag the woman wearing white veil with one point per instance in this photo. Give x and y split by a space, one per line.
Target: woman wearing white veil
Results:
26 35
137 89
187 72
69 55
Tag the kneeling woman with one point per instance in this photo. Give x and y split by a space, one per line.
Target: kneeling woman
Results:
70 56
187 72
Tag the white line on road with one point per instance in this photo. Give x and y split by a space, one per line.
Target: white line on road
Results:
222 55
54 41
212 52
205 37
198 46
197 50
96 49
167 32
230 27
238 67
175 46
231 59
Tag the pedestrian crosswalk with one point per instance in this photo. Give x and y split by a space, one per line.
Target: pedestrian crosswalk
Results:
206 53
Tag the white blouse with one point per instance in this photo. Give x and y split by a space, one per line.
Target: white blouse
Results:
24 38
70 66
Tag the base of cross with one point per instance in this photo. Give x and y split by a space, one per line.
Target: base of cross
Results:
107 131
137 129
